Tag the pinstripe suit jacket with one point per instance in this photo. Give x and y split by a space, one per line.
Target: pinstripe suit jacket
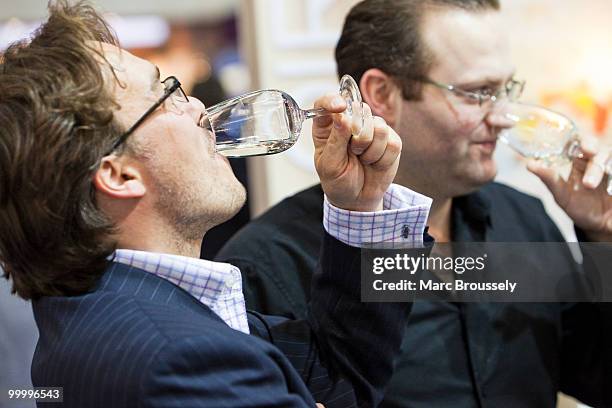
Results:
140 341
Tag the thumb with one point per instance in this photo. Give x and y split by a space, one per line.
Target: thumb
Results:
332 153
333 133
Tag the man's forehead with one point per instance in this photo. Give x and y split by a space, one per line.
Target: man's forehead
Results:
134 71
467 46
116 56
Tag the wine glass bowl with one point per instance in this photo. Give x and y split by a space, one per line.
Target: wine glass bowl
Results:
542 134
260 122
538 133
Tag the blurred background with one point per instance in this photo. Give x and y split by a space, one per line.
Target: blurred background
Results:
223 48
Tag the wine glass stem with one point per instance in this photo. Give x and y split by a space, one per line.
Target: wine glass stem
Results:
312 113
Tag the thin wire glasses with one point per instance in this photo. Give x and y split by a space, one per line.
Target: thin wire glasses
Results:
512 90
173 90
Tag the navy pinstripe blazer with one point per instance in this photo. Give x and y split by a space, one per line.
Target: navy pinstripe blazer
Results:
140 341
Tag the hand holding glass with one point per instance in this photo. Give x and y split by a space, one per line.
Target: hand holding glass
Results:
542 134
269 121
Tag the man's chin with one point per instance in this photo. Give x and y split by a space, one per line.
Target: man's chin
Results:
484 177
477 179
237 201
242 196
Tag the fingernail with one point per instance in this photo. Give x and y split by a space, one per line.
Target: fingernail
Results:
338 125
589 145
590 181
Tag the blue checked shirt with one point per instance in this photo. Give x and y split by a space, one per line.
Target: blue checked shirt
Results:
219 285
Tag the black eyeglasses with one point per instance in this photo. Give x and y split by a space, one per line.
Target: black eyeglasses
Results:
172 88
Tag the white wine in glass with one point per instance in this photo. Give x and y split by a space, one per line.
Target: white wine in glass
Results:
541 134
269 121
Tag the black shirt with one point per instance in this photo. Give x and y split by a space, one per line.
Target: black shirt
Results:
453 354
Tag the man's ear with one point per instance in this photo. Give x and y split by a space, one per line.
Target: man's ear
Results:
383 95
117 178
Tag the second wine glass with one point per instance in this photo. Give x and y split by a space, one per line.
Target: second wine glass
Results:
544 135
269 121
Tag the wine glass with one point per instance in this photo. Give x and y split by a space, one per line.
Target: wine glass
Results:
541 134
269 121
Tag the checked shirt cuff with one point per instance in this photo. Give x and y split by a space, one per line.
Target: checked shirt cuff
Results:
402 220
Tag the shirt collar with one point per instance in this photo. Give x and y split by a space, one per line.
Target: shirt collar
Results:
473 212
217 285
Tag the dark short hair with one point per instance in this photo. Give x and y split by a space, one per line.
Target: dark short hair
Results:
385 34
56 122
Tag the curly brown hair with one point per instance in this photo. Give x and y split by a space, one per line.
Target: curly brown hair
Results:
56 122
384 34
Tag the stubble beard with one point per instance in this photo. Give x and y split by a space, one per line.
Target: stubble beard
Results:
191 210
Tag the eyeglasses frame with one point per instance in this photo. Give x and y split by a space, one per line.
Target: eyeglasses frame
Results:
481 98
169 91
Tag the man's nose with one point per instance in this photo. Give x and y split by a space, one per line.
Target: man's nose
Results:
196 104
498 118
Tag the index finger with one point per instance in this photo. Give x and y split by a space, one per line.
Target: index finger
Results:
589 146
596 170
